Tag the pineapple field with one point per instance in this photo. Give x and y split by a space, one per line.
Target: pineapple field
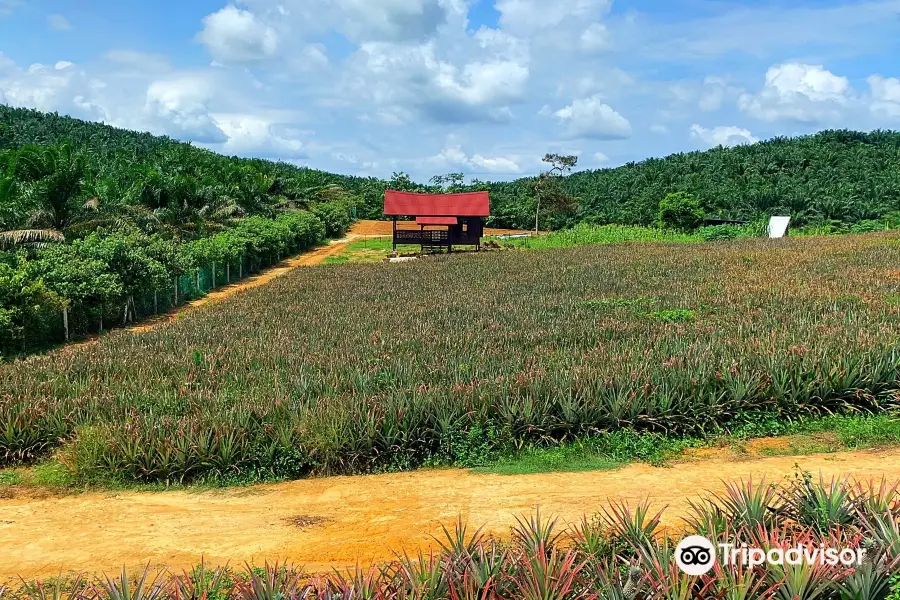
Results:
370 367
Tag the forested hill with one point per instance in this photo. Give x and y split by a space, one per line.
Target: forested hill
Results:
835 175
118 159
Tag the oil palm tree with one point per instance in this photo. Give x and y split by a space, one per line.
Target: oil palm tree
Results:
48 183
23 237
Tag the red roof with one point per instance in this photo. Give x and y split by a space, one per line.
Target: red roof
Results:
437 220
472 204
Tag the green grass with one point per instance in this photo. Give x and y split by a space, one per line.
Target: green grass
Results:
582 235
551 460
611 451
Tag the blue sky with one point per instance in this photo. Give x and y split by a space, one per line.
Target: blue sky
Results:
484 87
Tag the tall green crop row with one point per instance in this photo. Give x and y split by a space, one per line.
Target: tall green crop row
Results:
99 280
357 368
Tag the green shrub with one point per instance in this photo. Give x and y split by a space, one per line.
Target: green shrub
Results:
867 226
680 211
335 218
720 232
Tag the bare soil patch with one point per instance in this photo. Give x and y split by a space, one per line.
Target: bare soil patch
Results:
350 519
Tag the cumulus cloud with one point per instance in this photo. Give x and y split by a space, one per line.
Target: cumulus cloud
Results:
453 156
595 38
390 20
182 104
799 92
885 96
59 22
259 135
722 136
62 87
591 118
600 158
403 81
529 16
360 20
233 35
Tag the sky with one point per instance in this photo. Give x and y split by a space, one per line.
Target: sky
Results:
482 87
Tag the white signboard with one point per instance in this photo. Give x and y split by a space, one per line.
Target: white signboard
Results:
778 227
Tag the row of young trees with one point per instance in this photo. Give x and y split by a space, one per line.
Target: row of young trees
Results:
100 279
95 220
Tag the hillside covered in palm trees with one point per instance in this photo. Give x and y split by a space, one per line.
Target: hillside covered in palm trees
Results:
101 224
841 177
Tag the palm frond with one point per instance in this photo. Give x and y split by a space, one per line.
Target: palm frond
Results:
34 238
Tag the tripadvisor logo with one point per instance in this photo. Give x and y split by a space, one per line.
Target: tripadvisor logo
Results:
696 555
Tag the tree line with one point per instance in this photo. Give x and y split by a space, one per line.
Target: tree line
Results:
98 225
94 216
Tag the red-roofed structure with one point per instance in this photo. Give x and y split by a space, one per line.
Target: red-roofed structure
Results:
461 214
437 220
411 204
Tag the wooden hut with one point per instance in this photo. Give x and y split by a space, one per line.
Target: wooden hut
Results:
444 220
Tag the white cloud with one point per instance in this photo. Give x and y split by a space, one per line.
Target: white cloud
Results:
259 135
885 96
591 118
182 103
403 81
659 128
360 20
390 20
50 89
799 92
58 22
723 136
600 158
453 156
233 35
529 16
713 94
139 62
312 57
596 38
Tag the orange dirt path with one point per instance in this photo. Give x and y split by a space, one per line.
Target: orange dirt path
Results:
307 259
360 229
363 518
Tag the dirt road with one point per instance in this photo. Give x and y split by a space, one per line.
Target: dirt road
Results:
359 518
308 259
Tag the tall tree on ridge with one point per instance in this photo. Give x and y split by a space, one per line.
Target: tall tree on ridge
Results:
561 165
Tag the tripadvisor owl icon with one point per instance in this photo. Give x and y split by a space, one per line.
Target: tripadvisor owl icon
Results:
695 555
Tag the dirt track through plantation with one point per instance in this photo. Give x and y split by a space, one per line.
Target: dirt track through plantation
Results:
348 519
360 230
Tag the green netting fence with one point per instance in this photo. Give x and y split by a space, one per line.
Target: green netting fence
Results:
80 321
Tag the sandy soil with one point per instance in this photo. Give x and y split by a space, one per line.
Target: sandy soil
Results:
361 518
